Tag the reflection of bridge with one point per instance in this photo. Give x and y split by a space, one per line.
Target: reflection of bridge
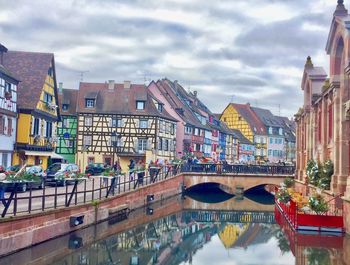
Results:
230 216
233 204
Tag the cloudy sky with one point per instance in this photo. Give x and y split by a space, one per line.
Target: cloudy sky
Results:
234 50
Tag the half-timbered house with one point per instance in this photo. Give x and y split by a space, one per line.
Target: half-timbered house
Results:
144 129
38 112
8 112
67 128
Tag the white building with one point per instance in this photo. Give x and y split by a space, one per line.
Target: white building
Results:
8 112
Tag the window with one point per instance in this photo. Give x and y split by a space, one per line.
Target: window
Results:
142 144
280 131
270 130
4 160
276 141
48 129
9 126
88 121
65 122
143 124
117 122
48 97
188 130
64 107
172 129
87 140
36 126
2 124
140 104
196 131
160 107
50 71
160 143
69 143
91 160
166 145
271 140
89 103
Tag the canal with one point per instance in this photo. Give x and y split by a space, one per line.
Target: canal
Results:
201 228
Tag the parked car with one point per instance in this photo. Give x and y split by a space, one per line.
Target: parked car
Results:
57 172
95 168
25 185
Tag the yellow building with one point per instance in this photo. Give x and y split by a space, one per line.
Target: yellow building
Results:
144 130
241 117
37 106
231 233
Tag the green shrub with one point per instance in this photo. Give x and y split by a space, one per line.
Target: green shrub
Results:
326 175
288 182
318 204
283 195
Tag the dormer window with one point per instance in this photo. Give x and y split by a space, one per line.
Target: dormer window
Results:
89 103
270 130
280 131
160 107
140 105
64 107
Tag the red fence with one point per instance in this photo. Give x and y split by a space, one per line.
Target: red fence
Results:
332 220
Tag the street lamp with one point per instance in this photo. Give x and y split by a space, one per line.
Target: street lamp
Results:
116 143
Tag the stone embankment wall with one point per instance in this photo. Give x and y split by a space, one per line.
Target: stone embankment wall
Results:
23 231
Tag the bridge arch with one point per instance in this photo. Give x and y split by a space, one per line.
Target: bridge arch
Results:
235 184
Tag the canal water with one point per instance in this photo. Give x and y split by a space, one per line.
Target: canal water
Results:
201 228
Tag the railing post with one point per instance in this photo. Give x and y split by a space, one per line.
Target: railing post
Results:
55 199
43 199
30 200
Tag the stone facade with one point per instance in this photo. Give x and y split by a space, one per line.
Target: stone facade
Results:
323 123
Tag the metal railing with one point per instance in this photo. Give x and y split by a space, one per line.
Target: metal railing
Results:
239 169
97 188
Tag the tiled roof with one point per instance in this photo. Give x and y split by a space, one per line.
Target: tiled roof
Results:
241 138
5 71
69 97
288 128
31 68
267 118
119 100
170 93
249 115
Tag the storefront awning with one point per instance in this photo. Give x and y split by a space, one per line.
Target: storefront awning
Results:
41 153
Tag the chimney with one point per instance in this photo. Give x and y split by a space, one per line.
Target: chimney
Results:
110 84
60 88
3 49
127 84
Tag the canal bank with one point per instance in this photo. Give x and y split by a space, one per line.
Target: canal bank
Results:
202 234
23 231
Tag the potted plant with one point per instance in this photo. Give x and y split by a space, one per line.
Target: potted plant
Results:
326 173
318 204
313 172
283 195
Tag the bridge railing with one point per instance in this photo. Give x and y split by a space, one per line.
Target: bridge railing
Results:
269 170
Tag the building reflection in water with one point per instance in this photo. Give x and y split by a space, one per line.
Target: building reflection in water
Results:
198 233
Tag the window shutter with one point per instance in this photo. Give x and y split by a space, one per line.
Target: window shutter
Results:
44 128
136 145
137 123
9 129
149 123
39 127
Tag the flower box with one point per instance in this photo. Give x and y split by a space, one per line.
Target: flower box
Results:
330 221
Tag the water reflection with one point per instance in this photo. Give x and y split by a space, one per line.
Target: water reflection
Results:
186 231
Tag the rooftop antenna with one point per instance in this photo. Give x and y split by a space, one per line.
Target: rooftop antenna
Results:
81 73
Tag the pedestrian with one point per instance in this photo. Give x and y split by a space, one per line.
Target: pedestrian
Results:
131 169
140 168
151 170
117 171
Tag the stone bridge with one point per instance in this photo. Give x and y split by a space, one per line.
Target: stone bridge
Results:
233 183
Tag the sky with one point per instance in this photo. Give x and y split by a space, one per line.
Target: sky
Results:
229 51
